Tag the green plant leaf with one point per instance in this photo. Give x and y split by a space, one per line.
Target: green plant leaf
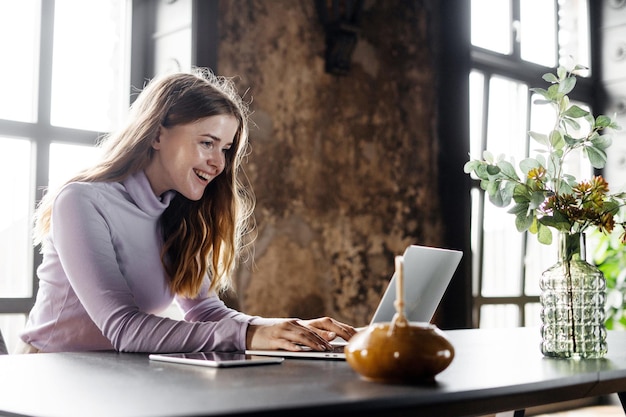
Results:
597 157
527 164
540 138
542 92
556 139
554 93
556 220
496 199
544 234
493 169
493 187
549 77
481 171
518 208
602 122
575 112
570 141
523 221
508 169
572 123
567 85
471 166
601 141
536 200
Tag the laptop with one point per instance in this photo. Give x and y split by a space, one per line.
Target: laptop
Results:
427 274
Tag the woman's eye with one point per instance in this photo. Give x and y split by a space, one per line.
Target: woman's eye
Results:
207 144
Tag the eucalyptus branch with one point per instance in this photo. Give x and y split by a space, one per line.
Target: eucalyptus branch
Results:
541 195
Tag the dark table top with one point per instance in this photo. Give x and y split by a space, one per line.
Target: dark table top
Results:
493 370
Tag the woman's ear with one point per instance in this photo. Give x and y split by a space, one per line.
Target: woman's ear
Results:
156 142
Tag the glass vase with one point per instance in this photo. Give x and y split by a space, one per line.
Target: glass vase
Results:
573 294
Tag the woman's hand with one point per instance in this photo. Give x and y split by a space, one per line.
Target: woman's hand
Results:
294 334
329 328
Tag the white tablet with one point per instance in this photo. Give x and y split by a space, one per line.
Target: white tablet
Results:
215 359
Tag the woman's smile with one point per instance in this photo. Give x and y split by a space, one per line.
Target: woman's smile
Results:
188 157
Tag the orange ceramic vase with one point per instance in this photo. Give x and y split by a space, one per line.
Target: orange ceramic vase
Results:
399 352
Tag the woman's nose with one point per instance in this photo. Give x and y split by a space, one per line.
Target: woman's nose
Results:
217 159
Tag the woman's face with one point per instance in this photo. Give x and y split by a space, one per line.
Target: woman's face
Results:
188 157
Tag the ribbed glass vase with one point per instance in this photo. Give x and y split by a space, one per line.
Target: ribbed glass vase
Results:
573 294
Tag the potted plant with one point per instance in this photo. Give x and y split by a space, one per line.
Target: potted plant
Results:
543 198
609 256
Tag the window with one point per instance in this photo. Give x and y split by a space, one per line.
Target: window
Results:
66 85
513 44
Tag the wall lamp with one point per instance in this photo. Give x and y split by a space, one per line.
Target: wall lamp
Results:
340 19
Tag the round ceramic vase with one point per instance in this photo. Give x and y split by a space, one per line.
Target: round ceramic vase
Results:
399 353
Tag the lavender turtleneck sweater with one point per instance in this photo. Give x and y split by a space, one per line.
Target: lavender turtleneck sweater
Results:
102 284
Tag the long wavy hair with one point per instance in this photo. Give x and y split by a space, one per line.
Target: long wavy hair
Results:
199 237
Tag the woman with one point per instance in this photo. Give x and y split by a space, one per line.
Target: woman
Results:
161 217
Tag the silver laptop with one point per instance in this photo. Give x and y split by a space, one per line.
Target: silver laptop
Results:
427 273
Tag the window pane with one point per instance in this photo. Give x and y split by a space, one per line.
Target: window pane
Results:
502 253
533 317
16 249
67 159
538 31
539 257
503 244
498 316
477 80
19 49
11 325
491 25
574 33
89 75
506 131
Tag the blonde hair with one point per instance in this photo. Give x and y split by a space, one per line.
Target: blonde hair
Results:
194 232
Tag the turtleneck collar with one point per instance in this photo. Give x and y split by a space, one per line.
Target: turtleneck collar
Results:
139 189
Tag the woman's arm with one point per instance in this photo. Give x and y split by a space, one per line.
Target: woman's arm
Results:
83 240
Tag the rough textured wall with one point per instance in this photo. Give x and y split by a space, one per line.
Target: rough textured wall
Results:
343 168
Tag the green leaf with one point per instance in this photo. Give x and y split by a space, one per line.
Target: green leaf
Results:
570 141
572 123
575 112
567 85
551 78
602 141
556 139
508 169
493 187
554 93
496 199
540 138
602 121
523 221
518 208
471 166
527 164
597 157
537 198
481 171
542 92
544 234
507 192
493 169
556 220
